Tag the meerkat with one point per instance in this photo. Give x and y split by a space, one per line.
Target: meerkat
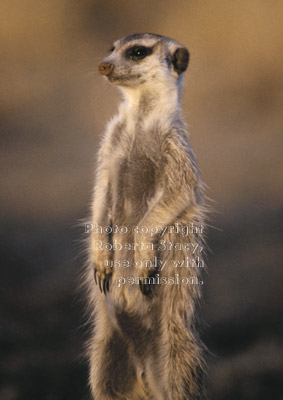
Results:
141 295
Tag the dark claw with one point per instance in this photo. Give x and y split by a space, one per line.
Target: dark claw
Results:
99 280
104 285
95 280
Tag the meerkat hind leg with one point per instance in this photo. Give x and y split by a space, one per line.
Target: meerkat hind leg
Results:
116 374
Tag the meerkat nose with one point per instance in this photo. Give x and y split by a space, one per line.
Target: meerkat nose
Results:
105 68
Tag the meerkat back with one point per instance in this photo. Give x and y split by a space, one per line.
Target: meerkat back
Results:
145 246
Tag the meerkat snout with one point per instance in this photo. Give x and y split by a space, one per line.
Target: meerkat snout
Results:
105 68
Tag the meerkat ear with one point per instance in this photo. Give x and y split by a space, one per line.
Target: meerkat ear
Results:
180 60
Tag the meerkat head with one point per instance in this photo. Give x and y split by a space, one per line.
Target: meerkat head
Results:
145 60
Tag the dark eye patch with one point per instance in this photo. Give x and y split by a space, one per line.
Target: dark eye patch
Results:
136 53
112 49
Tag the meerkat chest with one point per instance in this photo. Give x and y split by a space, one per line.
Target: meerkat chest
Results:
135 168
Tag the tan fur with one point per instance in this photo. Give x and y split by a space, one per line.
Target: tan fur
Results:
144 345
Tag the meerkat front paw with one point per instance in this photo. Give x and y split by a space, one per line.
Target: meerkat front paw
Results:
102 272
102 279
147 283
101 262
146 271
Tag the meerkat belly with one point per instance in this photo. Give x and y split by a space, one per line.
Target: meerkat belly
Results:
136 181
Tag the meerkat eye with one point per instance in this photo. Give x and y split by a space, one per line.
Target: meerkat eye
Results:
112 49
138 52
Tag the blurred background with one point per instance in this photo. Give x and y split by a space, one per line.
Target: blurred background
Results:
54 108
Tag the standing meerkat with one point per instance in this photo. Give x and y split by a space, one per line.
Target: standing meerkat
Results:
147 216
